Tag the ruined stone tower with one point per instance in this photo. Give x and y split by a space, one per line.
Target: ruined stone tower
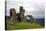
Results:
22 11
13 15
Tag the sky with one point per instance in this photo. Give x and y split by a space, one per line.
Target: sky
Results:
32 7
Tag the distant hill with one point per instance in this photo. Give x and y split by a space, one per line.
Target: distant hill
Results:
41 21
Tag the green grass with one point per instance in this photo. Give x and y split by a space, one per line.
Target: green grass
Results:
23 25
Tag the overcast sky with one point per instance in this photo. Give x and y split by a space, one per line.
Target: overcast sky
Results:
34 8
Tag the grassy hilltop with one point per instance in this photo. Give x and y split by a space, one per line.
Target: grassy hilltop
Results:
23 25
